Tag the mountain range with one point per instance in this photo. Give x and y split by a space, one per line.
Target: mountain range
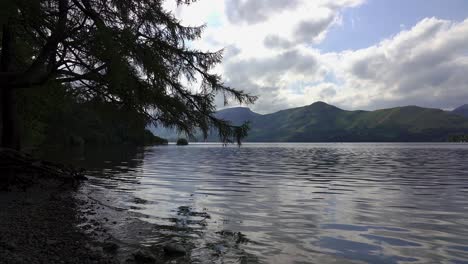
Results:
462 110
321 122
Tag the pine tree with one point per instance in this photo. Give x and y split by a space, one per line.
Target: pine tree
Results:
132 53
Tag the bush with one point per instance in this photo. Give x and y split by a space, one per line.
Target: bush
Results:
182 142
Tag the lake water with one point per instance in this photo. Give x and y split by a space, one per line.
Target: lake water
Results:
291 203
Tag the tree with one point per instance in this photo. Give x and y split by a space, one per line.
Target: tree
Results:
182 142
133 53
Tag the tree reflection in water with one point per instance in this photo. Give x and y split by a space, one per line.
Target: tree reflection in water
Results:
110 171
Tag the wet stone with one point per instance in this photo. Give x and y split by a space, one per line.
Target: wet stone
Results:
143 257
110 247
51 242
173 250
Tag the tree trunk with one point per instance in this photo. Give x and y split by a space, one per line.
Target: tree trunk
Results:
10 131
1 112
10 137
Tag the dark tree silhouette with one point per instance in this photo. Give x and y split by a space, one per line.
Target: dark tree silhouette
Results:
133 53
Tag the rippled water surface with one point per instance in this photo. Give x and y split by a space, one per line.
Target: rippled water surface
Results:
292 203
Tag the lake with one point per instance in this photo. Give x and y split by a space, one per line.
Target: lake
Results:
289 203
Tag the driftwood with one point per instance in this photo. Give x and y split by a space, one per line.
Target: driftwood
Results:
19 162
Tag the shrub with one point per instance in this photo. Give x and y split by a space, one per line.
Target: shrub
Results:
182 142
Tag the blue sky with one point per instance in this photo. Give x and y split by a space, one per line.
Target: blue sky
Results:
356 54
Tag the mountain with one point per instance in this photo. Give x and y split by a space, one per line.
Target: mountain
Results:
237 115
321 122
167 133
462 110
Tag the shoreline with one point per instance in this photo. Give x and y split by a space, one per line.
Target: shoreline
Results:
43 223
48 215
48 220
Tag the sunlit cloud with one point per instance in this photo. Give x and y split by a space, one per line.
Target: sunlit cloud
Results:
271 51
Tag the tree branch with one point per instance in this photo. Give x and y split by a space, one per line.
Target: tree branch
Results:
38 72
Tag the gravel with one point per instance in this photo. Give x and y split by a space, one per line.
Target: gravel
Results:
41 224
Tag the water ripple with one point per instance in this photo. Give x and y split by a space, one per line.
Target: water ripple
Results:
294 203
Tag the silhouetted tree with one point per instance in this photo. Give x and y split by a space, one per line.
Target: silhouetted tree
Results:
133 53
182 142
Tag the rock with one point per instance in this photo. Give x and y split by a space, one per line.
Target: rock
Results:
53 197
110 247
174 250
144 257
51 242
28 202
8 245
81 177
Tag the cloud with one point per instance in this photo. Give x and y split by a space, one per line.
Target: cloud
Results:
267 41
275 41
327 91
286 65
309 30
255 11
426 65
270 52
230 52
271 76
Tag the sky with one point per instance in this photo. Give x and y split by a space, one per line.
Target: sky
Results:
355 54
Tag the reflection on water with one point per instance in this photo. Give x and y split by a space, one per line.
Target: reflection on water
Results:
292 203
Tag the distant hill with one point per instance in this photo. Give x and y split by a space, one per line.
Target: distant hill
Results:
167 133
237 115
321 122
462 110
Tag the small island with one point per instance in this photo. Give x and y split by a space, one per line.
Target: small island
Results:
182 142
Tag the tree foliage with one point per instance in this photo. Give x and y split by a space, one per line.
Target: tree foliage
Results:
458 138
51 117
182 142
133 54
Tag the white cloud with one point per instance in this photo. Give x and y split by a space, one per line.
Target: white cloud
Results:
256 11
426 65
270 52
